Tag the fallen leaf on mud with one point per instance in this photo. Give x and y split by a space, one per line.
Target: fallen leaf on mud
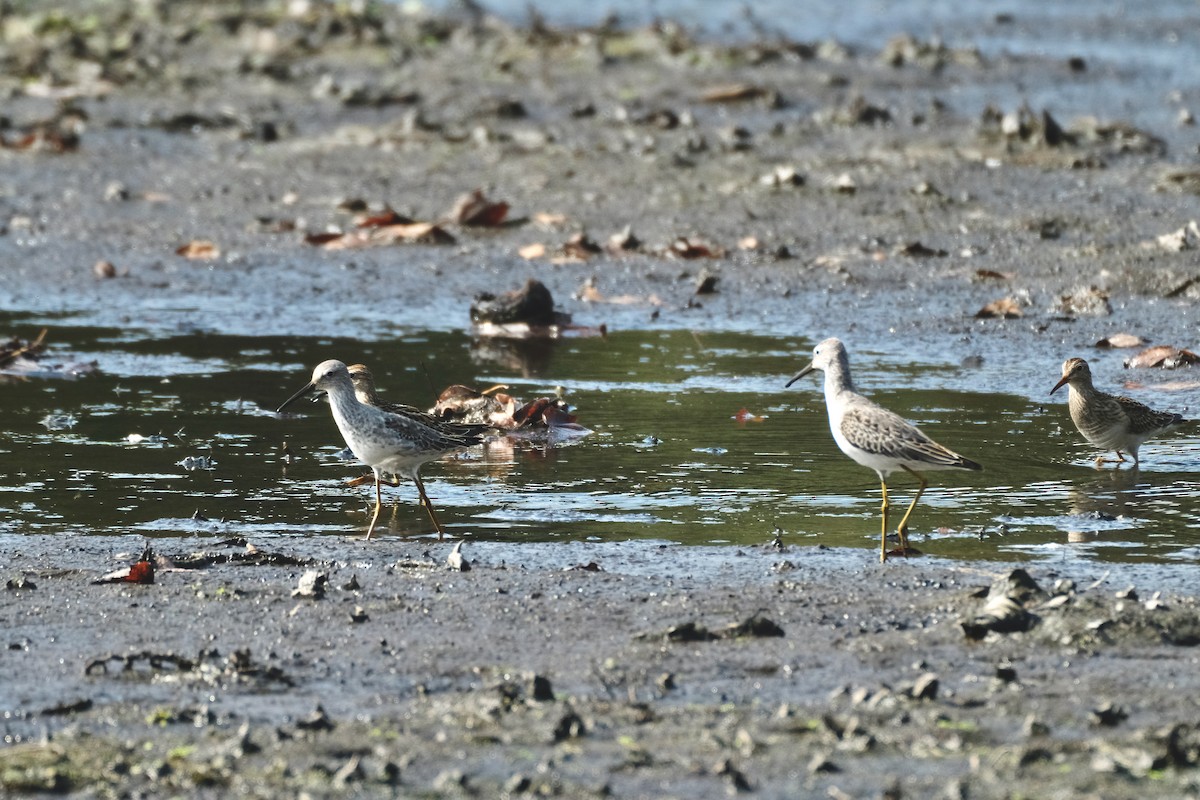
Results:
992 275
415 232
745 415
1118 340
749 243
733 92
590 293
359 616
756 626
549 220
312 584
1186 238
140 572
1164 356
782 176
383 218
318 720
843 183
104 269
918 250
689 632
591 566
683 247
1006 308
475 209
1088 301
199 249
578 248
623 241
455 560
322 238
532 251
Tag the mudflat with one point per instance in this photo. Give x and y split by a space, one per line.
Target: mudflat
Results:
206 167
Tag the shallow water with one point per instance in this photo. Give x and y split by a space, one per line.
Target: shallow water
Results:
667 460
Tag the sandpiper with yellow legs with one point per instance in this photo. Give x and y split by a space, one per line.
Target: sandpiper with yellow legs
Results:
1110 422
875 437
389 443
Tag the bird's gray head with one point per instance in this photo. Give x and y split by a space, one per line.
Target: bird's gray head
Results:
1074 370
828 353
326 375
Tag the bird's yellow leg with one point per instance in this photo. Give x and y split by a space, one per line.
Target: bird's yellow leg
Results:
884 510
902 530
378 505
425 501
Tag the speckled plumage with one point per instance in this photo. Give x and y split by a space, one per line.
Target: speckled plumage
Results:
364 390
875 437
1110 422
389 443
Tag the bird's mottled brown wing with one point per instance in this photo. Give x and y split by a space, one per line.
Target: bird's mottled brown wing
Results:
433 433
1145 420
876 430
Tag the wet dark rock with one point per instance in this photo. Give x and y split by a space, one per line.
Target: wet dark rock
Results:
352 585
540 689
1128 593
317 721
569 726
1108 715
706 283
820 764
358 615
755 626
1006 673
20 582
689 632
531 304
517 784
72 707
666 682
736 780
1182 747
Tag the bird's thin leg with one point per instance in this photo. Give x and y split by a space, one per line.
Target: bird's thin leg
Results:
360 480
425 501
884 510
378 503
902 530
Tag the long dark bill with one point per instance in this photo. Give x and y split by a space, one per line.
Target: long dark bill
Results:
308 389
1058 385
799 375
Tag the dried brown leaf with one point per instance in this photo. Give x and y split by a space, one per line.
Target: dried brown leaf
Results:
201 249
474 208
1006 308
1118 340
732 92
532 251
1165 356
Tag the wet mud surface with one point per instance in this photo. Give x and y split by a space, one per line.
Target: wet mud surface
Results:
619 673
884 195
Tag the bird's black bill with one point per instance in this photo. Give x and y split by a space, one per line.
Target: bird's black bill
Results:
799 375
1058 385
306 390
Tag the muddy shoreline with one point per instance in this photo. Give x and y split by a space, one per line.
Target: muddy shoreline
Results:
614 675
906 184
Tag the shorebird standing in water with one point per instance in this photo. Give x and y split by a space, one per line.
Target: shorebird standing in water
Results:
875 437
389 443
1108 421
